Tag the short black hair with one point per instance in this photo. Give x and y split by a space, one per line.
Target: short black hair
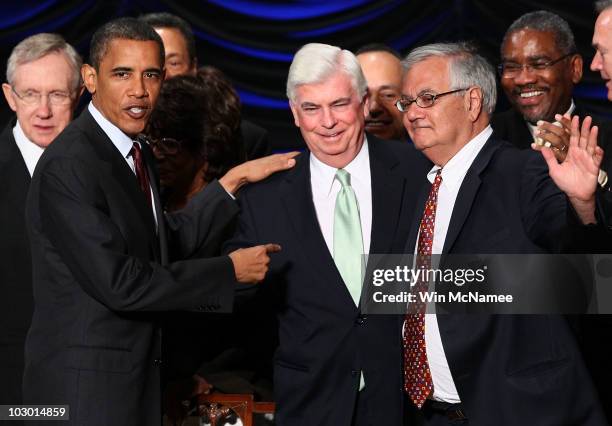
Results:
121 28
546 22
378 47
168 20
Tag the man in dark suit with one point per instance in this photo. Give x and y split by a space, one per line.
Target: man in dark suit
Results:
181 58
43 87
539 68
489 197
106 258
334 365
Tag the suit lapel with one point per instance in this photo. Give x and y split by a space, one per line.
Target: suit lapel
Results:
467 193
419 208
150 161
296 196
120 170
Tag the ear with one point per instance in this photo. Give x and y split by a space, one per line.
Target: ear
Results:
8 95
576 68
474 102
366 103
90 78
294 111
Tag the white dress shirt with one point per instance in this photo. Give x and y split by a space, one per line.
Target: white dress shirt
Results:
121 141
453 174
29 150
325 189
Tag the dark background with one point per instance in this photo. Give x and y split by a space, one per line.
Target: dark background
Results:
253 41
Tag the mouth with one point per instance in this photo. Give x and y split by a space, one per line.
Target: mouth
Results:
331 136
44 129
529 96
137 112
377 123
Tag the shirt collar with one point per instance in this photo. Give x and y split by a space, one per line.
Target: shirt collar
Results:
29 150
456 168
122 142
324 175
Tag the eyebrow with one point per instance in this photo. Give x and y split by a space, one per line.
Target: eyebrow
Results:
122 69
388 86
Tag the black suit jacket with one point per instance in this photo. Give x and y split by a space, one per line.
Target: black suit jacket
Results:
98 282
512 370
324 339
254 139
510 126
15 267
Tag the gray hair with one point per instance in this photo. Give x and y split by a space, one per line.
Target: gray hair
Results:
315 62
39 45
602 5
546 22
466 68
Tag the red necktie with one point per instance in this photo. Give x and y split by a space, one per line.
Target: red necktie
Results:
141 171
418 383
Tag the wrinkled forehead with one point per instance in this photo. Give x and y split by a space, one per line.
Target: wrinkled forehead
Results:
330 89
429 75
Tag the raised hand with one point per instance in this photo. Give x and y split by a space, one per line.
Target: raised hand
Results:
577 175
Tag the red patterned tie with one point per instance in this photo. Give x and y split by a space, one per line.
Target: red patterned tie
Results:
141 171
417 376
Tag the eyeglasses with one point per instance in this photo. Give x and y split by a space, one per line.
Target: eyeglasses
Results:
32 97
165 146
511 69
424 100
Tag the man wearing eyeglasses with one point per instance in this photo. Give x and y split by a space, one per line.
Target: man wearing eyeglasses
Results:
539 68
482 195
43 87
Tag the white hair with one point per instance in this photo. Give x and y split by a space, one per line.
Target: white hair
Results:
39 45
315 62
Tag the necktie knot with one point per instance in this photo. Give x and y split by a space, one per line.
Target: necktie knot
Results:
344 178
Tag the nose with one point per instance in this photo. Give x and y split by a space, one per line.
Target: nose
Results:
139 88
596 63
375 106
328 119
525 76
43 109
414 112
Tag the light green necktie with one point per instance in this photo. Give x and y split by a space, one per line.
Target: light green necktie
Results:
348 242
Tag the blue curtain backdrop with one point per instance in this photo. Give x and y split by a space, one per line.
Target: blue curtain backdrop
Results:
253 41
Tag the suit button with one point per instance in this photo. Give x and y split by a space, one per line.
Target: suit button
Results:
157 362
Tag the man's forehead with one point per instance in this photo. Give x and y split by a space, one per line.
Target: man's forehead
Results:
533 42
417 81
329 90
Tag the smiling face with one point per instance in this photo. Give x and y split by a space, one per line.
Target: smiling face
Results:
331 118
127 84
383 72
602 42
539 94
43 121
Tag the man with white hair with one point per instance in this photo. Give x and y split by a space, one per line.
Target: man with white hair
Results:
347 195
43 87
482 195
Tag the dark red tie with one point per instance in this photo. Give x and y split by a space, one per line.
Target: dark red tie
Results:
418 383
141 171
